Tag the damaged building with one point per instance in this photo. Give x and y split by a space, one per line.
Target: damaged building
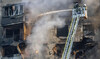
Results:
11 28
14 30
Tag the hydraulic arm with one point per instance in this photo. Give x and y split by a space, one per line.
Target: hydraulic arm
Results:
77 13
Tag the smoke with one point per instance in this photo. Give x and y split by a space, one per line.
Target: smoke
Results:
95 52
94 12
40 33
94 17
42 25
36 7
92 6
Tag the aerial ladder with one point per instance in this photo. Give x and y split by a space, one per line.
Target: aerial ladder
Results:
77 13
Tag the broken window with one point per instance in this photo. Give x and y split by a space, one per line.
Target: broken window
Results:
13 33
13 10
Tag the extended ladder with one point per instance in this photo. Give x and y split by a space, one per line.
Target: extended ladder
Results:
77 13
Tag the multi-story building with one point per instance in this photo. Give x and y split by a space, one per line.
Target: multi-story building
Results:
14 30
9 22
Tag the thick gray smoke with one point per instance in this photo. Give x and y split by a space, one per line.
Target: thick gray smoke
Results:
36 7
39 35
94 53
94 16
92 6
94 12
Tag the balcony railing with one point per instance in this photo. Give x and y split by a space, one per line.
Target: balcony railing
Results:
6 41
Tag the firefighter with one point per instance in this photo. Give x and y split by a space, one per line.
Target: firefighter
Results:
76 6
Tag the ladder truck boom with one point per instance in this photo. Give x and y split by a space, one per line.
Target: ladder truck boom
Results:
77 13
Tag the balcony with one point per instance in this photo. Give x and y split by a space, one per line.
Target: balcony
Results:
12 14
11 20
6 41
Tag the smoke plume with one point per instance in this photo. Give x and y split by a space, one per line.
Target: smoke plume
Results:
94 12
94 17
40 33
42 25
36 7
92 6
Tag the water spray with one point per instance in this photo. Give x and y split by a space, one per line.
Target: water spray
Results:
52 12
